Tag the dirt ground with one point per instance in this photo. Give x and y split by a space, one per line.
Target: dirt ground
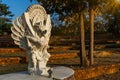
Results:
107 57
100 58
115 76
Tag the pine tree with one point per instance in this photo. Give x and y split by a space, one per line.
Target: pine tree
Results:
5 17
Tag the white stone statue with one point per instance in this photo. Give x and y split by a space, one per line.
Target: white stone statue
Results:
31 31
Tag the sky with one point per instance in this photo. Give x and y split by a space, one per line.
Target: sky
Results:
17 7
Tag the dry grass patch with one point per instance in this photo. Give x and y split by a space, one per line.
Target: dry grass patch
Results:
102 54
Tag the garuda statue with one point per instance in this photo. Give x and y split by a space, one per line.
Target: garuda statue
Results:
31 31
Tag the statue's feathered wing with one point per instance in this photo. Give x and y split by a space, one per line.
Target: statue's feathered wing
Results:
23 27
18 33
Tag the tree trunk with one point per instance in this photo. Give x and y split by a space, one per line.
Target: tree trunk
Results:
83 58
91 45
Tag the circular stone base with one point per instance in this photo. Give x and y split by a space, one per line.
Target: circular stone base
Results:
58 73
22 76
61 73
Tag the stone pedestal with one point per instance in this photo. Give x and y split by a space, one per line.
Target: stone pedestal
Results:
63 73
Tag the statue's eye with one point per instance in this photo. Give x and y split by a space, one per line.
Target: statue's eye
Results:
45 31
44 22
38 24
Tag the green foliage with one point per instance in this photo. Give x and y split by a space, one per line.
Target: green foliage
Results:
6 28
68 14
5 18
69 11
114 24
63 31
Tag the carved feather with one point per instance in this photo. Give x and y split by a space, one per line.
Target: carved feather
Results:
17 42
16 38
15 32
18 32
20 25
16 26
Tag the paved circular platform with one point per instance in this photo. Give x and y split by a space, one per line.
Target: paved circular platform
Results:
58 73
22 76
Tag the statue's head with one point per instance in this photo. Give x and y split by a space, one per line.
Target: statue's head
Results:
39 27
38 17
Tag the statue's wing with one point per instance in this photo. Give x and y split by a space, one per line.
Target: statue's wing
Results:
21 29
18 33
24 30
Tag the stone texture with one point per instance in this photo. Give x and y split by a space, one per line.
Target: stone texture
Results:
22 76
31 31
59 73
62 72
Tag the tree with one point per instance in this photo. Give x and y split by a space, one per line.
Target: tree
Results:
83 56
5 17
114 16
71 13
95 7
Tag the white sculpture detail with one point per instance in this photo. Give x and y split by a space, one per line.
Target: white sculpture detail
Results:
31 31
